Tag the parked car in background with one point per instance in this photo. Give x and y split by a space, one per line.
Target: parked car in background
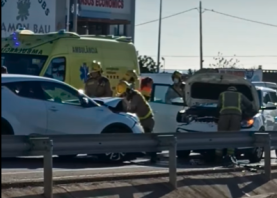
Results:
265 84
33 105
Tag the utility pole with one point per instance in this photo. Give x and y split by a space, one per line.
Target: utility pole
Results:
68 14
75 17
200 35
159 36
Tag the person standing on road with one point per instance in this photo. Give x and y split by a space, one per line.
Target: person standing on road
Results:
137 104
97 85
231 104
177 88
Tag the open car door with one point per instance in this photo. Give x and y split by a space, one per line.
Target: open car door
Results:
165 103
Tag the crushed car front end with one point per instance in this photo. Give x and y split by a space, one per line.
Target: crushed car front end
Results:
202 93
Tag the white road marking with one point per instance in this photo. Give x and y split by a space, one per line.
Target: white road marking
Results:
76 170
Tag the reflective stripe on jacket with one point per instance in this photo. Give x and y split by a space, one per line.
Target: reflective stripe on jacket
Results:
139 106
230 102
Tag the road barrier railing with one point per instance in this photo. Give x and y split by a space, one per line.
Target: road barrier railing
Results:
13 146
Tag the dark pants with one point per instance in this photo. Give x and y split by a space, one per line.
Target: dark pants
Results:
228 122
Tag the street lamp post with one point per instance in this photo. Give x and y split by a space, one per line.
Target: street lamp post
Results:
159 36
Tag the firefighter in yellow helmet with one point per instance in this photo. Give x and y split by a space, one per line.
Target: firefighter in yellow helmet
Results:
131 77
97 85
231 104
137 104
177 88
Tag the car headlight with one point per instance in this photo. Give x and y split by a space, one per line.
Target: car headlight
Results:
247 123
133 117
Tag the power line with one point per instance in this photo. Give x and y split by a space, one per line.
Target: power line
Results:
169 16
211 10
240 18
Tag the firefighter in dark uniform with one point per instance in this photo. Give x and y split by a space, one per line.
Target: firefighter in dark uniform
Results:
136 103
231 104
97 85
177 89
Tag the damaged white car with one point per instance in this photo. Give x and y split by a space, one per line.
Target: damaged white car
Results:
202 93
33 105
201 114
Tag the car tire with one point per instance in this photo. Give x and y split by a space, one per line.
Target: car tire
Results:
6 128
116 157
183 154
255 155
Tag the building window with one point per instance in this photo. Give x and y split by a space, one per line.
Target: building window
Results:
118 29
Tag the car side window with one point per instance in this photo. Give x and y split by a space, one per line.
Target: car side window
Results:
56 69
165 94
60 93
26 89
273 97
266 98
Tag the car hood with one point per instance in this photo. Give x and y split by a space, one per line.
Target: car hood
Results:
220 79
108 101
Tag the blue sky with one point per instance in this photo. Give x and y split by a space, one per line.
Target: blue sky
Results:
180 34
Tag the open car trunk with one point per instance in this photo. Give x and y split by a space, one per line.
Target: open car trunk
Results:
202 93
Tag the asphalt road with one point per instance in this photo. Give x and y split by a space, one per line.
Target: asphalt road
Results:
31 168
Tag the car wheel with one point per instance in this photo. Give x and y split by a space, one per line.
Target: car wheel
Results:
116 157
183 154
6 128
255 155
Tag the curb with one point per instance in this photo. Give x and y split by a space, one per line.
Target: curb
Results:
120 176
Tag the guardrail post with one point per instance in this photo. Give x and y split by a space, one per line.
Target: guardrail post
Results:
168 142
48 169
173 162
264 140
45 146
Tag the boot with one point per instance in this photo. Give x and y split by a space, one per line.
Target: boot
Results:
229 161
153 158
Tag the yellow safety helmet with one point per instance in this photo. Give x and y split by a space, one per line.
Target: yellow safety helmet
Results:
177 74
131 74
122 87
96 67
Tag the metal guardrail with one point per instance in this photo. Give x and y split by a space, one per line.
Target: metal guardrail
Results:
13 146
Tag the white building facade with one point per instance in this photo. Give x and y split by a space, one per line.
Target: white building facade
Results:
101 17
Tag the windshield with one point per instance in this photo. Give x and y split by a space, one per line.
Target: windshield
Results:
273 96
23 63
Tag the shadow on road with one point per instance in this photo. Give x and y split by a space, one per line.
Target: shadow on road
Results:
72 163
92 162
237 186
